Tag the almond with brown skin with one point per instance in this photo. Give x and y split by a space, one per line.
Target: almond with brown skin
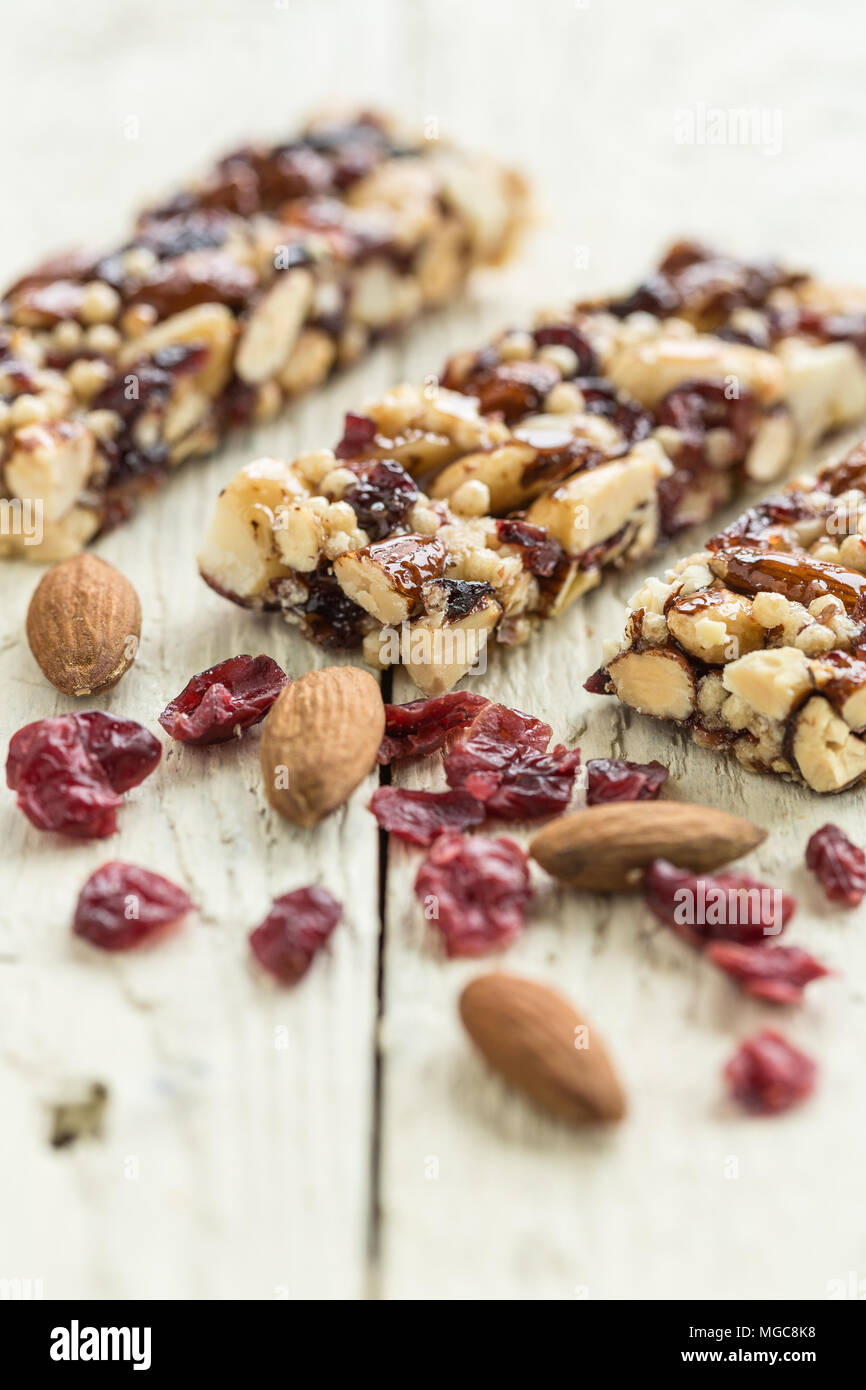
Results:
320 741
605 849
83 625
539 1043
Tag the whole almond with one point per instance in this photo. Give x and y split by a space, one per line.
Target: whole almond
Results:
320 740
534 1037
605 849
83 625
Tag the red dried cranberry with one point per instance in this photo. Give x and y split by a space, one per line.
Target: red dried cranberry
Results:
68 771
724 907
381 498
420 816
775 973
614 779
121 906
541 553
359 431
563 334
227 698
601 397
475 890
294 931
766 1075
328 616
509 389
839 865
422 726
598 682
124 749
504 762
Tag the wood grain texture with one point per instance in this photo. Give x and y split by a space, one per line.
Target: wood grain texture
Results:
263 1144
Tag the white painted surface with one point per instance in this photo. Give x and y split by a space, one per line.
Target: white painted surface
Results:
253 1160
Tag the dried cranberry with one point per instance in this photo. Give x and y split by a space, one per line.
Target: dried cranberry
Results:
68 771
564 335
504 762
614 779
381 498
294 931
541 553
767 1075
475 890
121 906
328 616
602 398
724 907
839 865
422 726
512 389
359 431
227 698
778 974
598 683
420 816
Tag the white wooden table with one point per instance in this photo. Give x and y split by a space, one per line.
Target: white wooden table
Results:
341 1140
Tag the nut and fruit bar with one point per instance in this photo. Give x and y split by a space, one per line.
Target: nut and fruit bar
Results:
757 644
241 291
495 496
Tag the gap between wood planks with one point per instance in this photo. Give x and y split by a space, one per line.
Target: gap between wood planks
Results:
374 1218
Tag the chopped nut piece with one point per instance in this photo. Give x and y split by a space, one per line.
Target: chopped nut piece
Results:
771 682
654 682
828 755
386 579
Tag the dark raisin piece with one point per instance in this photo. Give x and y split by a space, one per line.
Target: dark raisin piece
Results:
541 553
330 617
381 498
564 335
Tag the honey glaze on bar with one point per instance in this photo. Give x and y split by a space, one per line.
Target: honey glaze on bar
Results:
797 578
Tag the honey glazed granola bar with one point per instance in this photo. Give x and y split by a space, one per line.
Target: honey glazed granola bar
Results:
495 496
241 291
757 643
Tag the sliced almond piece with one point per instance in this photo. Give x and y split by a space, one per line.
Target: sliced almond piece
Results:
647 371
274 326
595 504
83 625
386 578
657 681
539 1043
320 741
605 849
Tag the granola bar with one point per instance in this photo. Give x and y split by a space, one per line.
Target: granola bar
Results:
498 494
757 644
246 288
